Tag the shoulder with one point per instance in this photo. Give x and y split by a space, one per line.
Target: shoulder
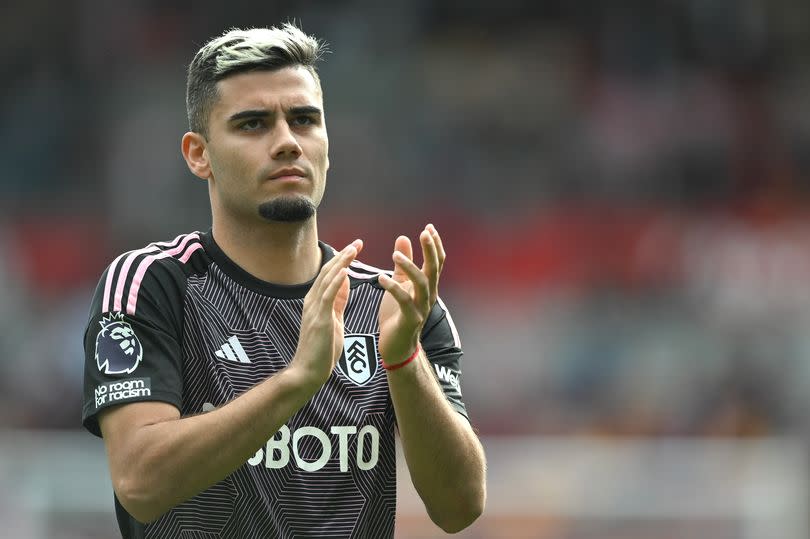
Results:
157 268
440 327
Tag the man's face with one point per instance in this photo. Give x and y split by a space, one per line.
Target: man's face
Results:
267 146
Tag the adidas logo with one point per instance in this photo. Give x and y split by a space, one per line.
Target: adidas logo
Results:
232 351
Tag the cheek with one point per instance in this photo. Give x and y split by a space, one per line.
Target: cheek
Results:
321 155
226 168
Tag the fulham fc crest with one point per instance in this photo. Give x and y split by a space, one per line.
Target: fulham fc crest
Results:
358 362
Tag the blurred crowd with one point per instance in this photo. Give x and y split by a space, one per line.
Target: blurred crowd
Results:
623 189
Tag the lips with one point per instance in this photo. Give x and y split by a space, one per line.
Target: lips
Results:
288 172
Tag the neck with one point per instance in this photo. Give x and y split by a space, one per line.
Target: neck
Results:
280 253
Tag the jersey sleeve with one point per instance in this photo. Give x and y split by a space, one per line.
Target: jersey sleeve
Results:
442 346
132 340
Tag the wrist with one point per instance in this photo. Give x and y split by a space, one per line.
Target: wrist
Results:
392 367
305 378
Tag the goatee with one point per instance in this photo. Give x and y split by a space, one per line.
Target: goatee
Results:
287 209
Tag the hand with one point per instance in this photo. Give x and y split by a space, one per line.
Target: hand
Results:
409 295
320 342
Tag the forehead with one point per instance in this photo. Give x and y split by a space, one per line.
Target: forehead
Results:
278 89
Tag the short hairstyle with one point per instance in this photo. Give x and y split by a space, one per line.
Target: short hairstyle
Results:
237 51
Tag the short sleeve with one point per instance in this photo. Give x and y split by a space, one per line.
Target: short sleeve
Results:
132 340
442 347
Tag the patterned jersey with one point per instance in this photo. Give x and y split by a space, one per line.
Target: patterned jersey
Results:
180 322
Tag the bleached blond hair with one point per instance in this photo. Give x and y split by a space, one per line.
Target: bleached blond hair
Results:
237 51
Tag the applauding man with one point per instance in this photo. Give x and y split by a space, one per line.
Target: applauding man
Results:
248 380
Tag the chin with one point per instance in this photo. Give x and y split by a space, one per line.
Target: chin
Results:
287 209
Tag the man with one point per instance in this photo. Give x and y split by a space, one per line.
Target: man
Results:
247 381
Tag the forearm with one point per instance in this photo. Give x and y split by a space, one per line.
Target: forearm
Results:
167 462
445 458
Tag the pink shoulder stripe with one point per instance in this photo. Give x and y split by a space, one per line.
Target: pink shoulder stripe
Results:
137 279
108 285
129 256
132 255
105 306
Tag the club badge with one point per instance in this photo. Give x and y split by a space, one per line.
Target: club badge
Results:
358 362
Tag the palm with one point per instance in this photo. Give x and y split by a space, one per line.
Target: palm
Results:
409 294
320 341
391 320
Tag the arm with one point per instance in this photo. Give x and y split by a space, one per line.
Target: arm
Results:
158 459
449 471
445 458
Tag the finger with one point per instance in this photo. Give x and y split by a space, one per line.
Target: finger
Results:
430 254
403 245
439 245
330 292
409 269
336 270
357 244
342 295
430 264
420 282
336 277
342 259
403 298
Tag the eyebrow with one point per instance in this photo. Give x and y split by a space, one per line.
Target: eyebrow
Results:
263 113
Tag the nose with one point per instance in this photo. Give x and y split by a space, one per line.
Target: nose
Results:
285 145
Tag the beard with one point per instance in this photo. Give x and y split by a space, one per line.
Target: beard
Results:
287 209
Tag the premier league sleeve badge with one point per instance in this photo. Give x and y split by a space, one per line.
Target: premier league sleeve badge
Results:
118 350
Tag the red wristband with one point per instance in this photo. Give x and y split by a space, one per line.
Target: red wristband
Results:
402 364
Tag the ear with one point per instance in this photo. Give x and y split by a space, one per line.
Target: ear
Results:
195 152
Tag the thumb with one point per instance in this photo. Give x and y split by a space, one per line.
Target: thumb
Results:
403 245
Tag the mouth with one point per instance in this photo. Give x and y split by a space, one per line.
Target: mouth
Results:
290 174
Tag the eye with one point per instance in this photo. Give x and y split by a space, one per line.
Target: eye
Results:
302 120
252 124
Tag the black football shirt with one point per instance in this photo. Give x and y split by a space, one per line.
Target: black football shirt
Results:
179 322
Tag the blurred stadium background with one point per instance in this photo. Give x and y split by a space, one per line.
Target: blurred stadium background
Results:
623 189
